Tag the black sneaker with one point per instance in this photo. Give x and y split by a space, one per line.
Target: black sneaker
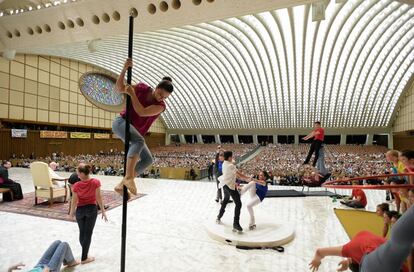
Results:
237 227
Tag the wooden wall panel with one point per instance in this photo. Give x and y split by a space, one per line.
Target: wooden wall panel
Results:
45 147
403 142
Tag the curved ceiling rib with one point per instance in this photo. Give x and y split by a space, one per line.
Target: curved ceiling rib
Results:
275 69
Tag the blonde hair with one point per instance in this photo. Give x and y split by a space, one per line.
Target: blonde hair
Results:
393 153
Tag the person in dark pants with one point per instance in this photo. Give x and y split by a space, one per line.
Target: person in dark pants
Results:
210 170
228 183
86 193
318 135
5 182
218 164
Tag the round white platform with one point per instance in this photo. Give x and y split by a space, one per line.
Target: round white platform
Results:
267 234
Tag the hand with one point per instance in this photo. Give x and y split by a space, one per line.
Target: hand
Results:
128 63
315 263
71 217
18 266
104 216
129 90
343 265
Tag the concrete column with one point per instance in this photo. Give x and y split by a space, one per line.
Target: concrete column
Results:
275 139
167 139
255 140
200 139
390 141
236 138
217 139
370 139
296 139
182 139
343 139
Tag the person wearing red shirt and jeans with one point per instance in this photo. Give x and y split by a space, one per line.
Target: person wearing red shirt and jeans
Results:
318 135
86 193
373 253
147 105
359 199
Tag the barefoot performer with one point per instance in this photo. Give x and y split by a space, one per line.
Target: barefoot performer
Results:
147 105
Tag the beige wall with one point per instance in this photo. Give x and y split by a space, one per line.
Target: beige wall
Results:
45 89
405 117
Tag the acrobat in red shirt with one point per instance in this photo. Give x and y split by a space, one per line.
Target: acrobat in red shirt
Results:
321 135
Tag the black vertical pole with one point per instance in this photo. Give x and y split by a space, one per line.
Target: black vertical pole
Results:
127 139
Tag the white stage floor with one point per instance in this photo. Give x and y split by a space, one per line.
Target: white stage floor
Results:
166 231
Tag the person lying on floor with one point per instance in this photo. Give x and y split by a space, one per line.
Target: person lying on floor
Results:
368 252
57 254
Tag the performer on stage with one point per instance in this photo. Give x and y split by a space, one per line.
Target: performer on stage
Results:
147 105
258 189
228 183
318 135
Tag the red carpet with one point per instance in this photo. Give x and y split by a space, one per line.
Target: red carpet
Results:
57 210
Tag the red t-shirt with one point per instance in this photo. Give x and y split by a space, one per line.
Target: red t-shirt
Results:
321 135
144 95
358 192
86 191
363 243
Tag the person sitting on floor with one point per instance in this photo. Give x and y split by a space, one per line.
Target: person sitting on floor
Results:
358 198
5 182
57 254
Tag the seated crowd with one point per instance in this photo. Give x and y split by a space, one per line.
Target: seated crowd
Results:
196 156
284 162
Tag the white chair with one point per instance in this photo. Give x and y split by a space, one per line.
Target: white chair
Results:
43 183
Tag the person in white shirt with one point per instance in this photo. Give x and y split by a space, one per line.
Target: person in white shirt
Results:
57 180
228 183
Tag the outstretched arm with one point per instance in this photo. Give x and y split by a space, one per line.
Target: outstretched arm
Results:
18 266
310 135
322 253
242 176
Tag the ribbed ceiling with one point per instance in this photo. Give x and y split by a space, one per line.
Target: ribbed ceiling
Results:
276 69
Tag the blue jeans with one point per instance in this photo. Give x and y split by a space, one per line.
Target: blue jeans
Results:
57 253
137 144
320 164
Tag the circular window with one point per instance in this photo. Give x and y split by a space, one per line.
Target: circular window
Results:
116 16
176 4
106 18
95 20
163 6
80 22
61 25
100 90
152 9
